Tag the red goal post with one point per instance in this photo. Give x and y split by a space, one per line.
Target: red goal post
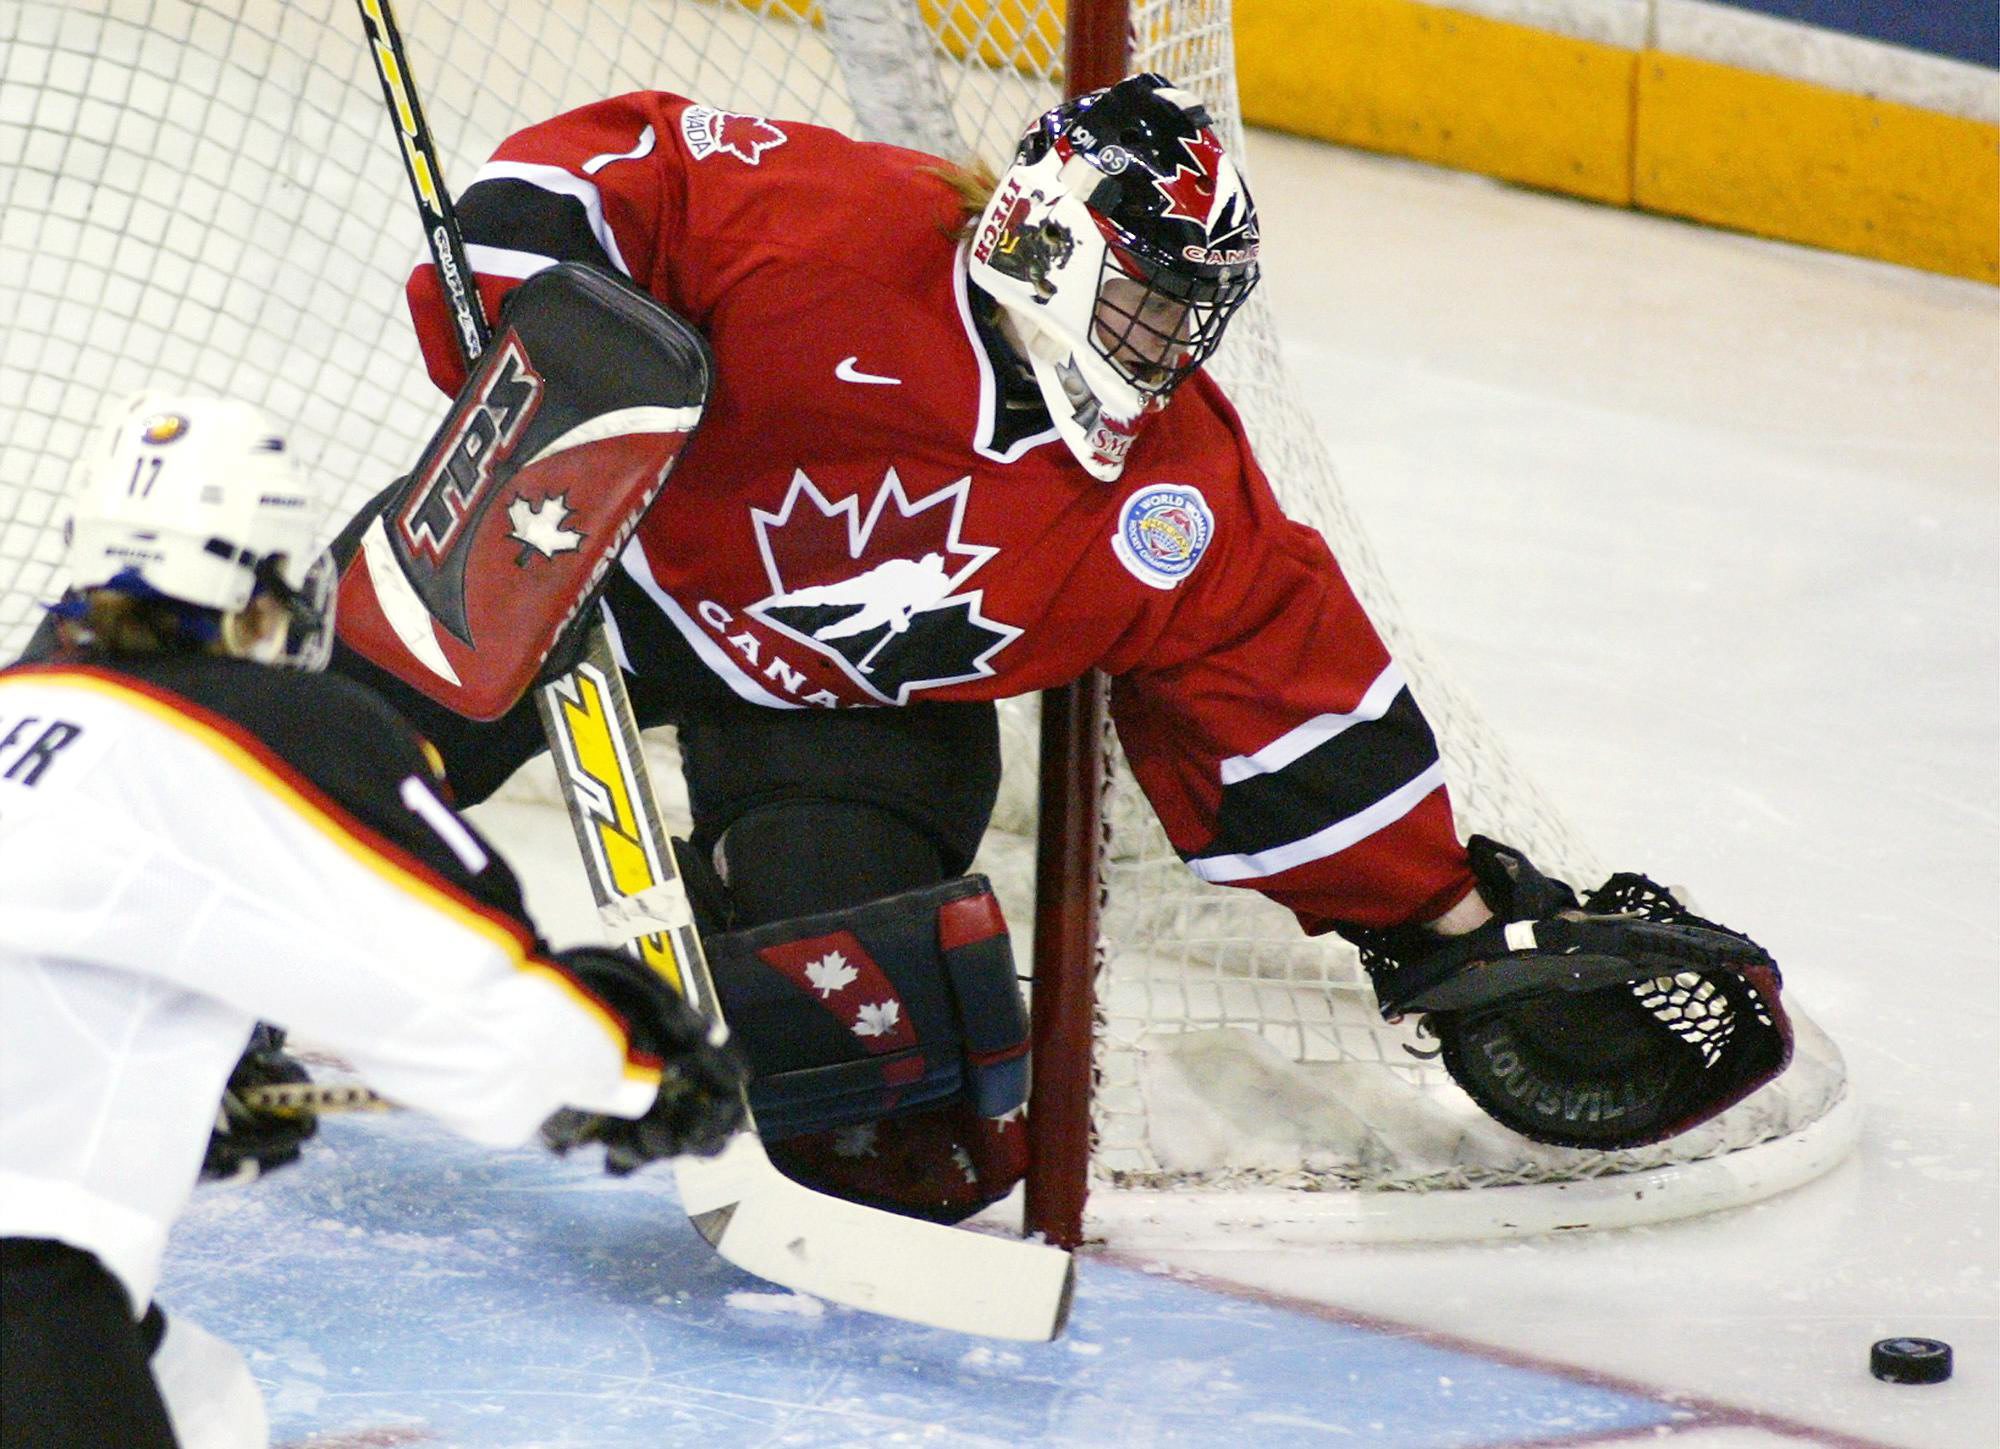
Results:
1069 839
203 194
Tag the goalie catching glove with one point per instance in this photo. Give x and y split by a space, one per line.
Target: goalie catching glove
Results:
700 1102
1606 1023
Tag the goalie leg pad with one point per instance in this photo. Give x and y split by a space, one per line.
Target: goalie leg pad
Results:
854 1015
756 778
943 1163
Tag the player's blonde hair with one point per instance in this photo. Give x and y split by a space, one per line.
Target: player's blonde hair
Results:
112 621
973 183
109 621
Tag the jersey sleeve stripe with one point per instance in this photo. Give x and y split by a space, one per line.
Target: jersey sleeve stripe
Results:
503 262
1302 740
258 764
1333 839
1342 776
540 209
640 1066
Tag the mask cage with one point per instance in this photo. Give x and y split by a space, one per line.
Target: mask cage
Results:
1157 326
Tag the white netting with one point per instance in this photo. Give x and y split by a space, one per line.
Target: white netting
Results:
207 194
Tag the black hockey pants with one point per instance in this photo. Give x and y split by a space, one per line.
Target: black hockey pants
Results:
75 1370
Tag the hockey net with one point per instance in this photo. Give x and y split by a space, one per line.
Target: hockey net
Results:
206 194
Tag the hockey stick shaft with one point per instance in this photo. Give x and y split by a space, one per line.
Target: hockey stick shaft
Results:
420 164
623 850
613 877
748 1211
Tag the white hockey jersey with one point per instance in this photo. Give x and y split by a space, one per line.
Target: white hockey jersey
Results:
190 845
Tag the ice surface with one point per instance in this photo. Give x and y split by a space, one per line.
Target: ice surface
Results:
1711 529
403 1286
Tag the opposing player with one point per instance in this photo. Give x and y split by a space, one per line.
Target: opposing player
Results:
961 447
199 831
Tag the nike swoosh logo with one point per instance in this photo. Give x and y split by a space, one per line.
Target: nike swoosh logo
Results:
846 371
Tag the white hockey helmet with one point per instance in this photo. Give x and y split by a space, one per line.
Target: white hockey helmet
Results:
197 500
1120 242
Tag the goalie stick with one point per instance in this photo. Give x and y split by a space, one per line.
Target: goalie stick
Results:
752 1214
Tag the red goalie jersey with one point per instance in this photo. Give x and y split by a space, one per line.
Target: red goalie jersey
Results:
875 512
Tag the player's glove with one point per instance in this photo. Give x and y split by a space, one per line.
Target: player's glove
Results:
1609 1022
699 1106
249 1141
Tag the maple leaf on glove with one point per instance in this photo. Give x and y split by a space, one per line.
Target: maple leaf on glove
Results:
877 1018
831 973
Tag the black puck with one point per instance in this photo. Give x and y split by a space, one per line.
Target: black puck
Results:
1910 1360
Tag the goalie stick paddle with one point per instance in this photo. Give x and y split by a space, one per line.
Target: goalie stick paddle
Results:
752 1214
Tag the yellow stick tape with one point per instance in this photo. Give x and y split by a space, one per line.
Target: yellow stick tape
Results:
614 815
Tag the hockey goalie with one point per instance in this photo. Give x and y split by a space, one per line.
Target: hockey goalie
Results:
959 446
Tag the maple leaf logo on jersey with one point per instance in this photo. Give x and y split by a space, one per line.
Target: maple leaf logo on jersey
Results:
883 595
539 527
709 132
1190 191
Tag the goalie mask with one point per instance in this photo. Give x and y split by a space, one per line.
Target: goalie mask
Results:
1120 242
197 500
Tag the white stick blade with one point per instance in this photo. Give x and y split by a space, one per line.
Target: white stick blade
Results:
922 1272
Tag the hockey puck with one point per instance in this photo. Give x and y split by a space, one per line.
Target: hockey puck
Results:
1910 1360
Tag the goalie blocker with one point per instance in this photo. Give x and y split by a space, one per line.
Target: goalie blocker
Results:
888 1046
1606 1023
467 574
